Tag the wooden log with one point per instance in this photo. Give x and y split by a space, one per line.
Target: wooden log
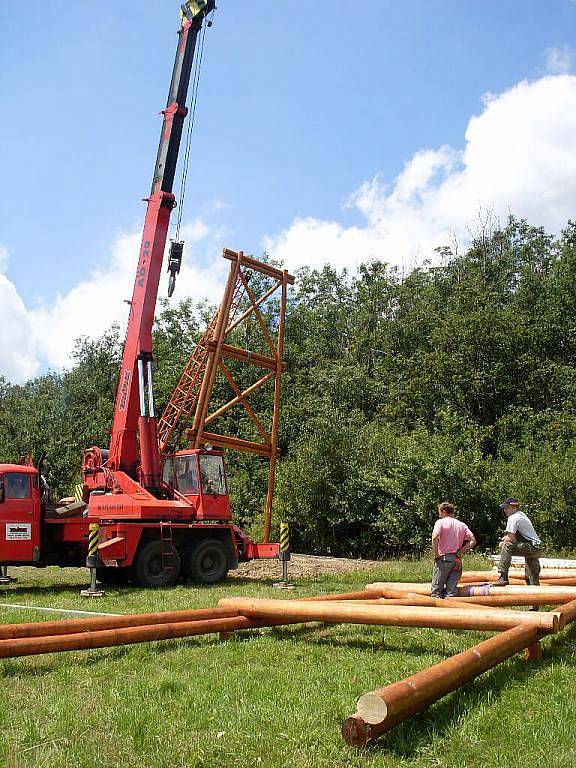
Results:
568 611
565 593
550 563
483 577
560 593
381 710
534 651
364 594
396 615
508 601
550 574
558 577
29 646
479 583
411 598
92 623
418 600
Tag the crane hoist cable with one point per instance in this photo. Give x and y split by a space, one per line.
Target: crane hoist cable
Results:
176 245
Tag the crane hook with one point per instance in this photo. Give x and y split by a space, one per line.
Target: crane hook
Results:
174 263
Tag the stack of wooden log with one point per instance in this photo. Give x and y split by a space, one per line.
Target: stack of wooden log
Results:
479 606
381 710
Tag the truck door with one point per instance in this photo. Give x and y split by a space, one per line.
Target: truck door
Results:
19 527
215 502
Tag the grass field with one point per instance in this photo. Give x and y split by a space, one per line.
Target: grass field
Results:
274 697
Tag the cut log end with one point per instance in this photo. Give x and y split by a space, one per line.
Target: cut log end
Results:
355 731
371 708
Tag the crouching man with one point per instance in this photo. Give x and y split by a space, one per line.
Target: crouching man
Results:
451 539
520 539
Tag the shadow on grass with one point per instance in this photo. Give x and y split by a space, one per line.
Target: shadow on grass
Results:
12 668
130 588
321 635
415 733
43 589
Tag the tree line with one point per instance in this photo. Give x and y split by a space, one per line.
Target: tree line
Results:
453 381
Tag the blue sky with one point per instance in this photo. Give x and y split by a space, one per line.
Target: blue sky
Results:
300 105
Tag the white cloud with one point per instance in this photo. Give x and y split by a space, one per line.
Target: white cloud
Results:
44 336
559 60
18 360
519 156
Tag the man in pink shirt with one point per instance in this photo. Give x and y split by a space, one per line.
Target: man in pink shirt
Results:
450 540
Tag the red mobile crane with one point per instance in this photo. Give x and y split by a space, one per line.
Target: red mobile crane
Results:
159 516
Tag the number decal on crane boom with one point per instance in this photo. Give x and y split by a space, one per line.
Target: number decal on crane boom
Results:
124 389
142 268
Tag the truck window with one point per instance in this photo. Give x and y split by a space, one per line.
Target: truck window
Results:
212 474
168 472
186 475
17 485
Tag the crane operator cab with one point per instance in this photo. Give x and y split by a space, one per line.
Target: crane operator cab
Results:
200 475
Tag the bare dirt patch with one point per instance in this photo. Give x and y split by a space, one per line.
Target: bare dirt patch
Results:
302 566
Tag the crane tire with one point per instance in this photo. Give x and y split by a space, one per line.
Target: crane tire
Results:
148 568
207 562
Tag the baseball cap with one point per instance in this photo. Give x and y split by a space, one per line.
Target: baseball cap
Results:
510 500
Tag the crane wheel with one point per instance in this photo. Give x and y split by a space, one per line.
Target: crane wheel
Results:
208 562
152 569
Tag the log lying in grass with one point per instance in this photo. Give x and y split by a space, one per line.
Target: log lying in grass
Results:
396 615
563 593
568 611
511 582
364 594
549 574
27 646
381 710
556 594
92 623
487 577
508 601
410 598
516 576
491 600
30 646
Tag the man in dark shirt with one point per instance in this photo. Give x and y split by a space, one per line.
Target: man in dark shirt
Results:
520 539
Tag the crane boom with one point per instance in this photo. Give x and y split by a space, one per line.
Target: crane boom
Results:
145 512
134 409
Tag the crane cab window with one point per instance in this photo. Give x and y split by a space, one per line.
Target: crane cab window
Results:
186 471
168 472
212 475
181 473
17 485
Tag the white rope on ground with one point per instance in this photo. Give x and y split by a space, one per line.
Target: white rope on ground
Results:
56 610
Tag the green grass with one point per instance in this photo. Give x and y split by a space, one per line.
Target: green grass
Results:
276 697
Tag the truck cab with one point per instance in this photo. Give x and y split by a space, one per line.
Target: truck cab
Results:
200 476
20 514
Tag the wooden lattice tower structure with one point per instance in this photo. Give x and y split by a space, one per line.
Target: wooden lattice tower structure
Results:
193 392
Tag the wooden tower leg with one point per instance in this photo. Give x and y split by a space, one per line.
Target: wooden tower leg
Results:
275 414
534 651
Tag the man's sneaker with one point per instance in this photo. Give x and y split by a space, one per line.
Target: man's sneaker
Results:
502 582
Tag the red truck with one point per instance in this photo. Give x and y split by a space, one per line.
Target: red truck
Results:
161 517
